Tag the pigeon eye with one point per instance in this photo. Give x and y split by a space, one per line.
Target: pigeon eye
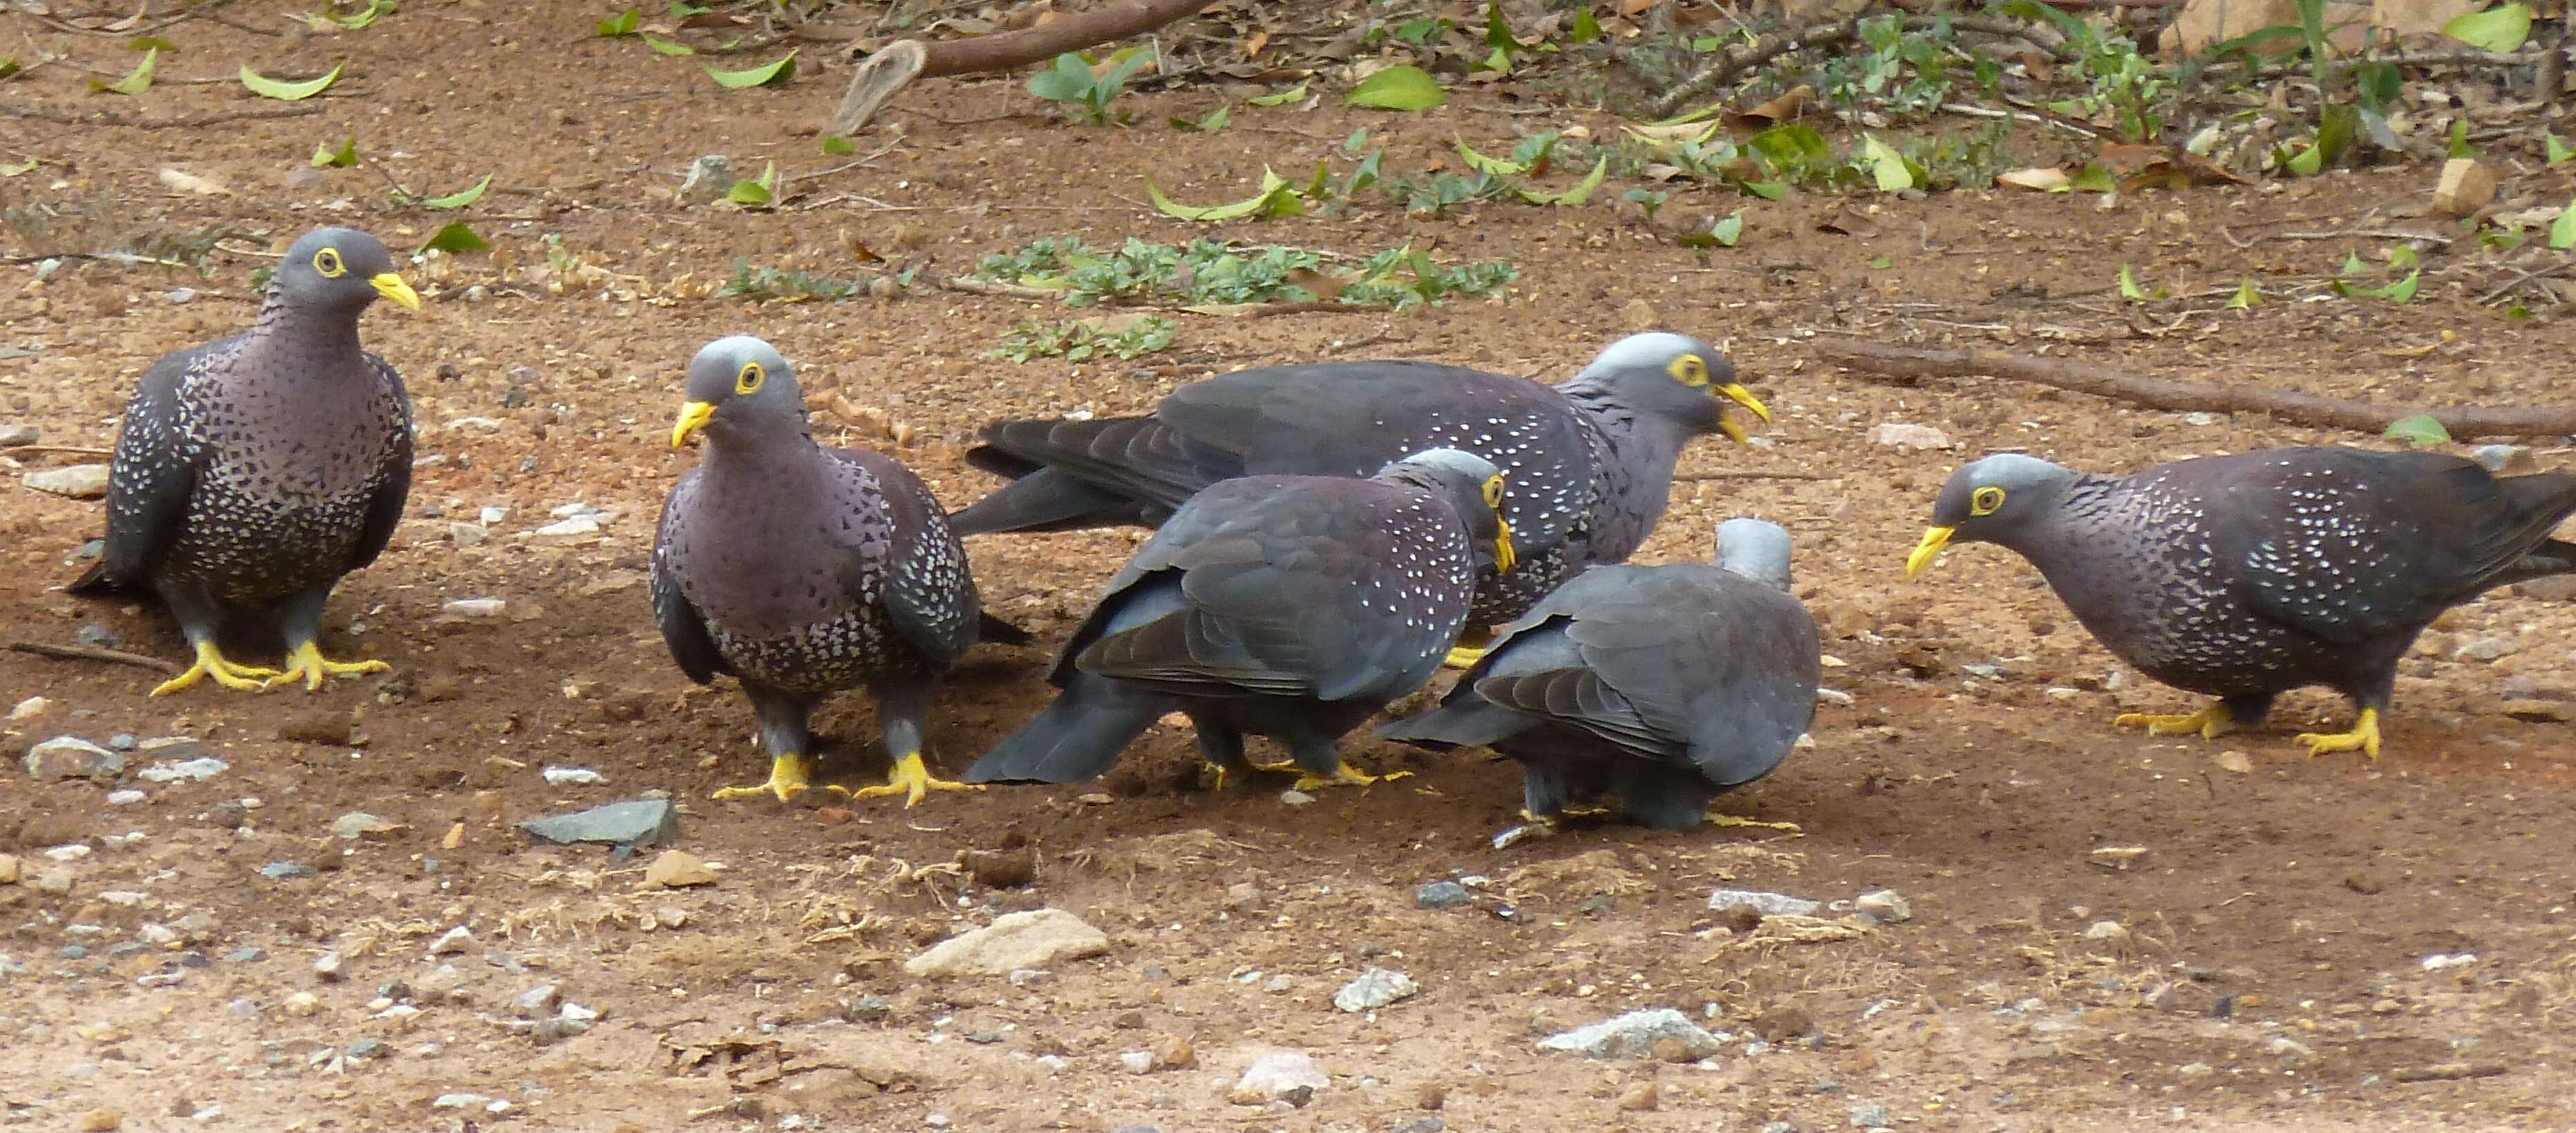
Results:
1493 491
1690 371
750 379
1985 501
327 261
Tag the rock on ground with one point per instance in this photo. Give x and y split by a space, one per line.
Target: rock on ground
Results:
1767 904
1277 1075
80 481
1374 988
644 822
71 757
1033 939
1634 1035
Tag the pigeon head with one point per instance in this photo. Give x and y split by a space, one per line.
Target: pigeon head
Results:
1674 377
1757 549
1990 501
1474 487
338 269
738 384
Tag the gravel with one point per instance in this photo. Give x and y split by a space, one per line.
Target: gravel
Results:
1442 895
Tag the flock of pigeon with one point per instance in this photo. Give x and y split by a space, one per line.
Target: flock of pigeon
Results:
1326 538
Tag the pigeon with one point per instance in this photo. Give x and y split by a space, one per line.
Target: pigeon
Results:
1663 686
2245 576
1589 461
253 472
803 571
1286 606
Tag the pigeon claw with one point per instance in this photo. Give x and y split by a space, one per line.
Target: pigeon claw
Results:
913 781
2212 721
790 775
211 664
1346 775
308 663
2363 738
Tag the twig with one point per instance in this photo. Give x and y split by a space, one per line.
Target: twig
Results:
91 653
2446 1072
2514 284
1008 290
60 450
139 122
1905 364
2374 233
1709 78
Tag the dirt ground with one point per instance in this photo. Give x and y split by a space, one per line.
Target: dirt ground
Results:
2261 965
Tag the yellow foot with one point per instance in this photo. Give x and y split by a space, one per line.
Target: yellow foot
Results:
1346 774
913 781
2364 737
789 776
1283 767
2212 721
211 663
1714 818
307 662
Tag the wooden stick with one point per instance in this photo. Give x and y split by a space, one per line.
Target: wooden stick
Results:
1905 364
106 118
58 450
92 653
898 63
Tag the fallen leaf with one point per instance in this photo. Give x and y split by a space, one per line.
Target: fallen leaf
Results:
1324 287
2043 180
674 869
1782 108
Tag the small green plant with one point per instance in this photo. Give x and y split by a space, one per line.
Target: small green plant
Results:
1647 201
1907 73
1079 341
1074 82
765 283
1204 273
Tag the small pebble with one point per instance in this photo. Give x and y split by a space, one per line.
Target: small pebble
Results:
453 941
366 1049
1872 1117
328 968
245 956
1442 895
280 871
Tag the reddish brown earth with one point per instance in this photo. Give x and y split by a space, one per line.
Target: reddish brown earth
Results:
2264 971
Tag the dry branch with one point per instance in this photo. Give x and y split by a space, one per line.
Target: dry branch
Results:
90 653
1735 63
140 122
1905 364
882 74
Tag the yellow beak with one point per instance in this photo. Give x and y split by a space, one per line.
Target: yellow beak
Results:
392 287
1934 538
1744 397
693 417
1503 556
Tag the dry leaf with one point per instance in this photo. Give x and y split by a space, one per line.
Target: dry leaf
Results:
1325 287
2043 180
1252 47
677 868
1783 108
1632 7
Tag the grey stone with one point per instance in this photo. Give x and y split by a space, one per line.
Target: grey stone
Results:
280 871
125 798
2505 458
1872 1117
869 1008
71 757
364 1049
171 747
242 1008
228 814
708 180
14 436
193 770
1885 904
75 952
79 481
2485 649
358 824
451 942
1767 904
1422 1125
1033 939
572 776
1138 1129
538 1000
643 822
54 881
1442 895
245 956
475 607
1634 1035
1280 1074
330 968
122 741
1374 988
1781 1127
1137 1061
2554 588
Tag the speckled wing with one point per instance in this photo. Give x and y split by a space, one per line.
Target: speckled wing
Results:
153 471
929 596
384 509
1705 663
684 630
1293 587
2350 545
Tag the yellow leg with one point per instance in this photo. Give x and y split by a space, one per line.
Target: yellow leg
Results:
307 662
211 663
913 781
1346 774
1470 648
2212 721
2364 737
789 776
1714 818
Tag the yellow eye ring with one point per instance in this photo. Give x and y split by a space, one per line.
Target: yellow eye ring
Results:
750 379
1690 371
1985 501
1493 491
327 261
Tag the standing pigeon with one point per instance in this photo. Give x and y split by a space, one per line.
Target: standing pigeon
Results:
805 571
1662 685
253 472
1287 606
1590 461
2246 576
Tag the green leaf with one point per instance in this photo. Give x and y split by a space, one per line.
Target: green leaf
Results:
2401 256
2460 146
2129 288
136 81
1722 233
1276 198
455 239
1586 29
2352 265
1402 87
1490 165
285 90
8 65
2418 430
151 43
324 157
1791 145
2498 29
1067 79
2402 291
1882 263
2246 297
375 9
663 46
15 170
1580 193
2307 162
2562 231
1277 98
2092 178
623 23
836 145
1215 121
751 194
1885 164
2558 150
459 200
767 74
1767 190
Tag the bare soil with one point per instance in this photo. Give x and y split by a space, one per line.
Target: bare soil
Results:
2263 968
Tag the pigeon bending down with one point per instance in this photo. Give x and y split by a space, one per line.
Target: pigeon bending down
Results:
253 472
1286 606
804 571
1663 686
1590 461
2246 576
